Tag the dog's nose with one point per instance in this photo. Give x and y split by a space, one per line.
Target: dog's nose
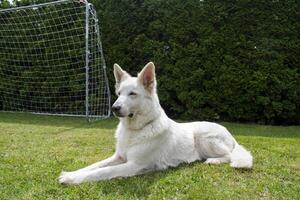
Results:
116 108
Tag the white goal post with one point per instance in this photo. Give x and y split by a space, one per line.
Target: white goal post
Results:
51 60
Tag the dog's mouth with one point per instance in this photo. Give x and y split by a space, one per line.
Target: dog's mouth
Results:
117 114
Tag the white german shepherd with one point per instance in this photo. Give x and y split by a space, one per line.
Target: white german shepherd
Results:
148 140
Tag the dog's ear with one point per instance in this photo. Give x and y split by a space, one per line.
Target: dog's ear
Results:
147 77
120 75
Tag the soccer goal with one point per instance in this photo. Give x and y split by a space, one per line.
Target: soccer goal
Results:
51 60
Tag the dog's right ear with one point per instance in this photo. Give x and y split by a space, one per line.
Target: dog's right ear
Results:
120 74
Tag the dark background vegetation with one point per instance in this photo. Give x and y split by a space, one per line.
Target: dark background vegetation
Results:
234 60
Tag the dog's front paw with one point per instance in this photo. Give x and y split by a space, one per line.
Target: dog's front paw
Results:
69 178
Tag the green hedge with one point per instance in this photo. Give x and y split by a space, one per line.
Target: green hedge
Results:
216 60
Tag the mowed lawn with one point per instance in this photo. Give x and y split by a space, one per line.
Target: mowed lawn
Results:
34 149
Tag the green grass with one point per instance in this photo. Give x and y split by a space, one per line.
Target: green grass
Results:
34 149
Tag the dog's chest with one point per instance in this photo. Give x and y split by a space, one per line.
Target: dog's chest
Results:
137 144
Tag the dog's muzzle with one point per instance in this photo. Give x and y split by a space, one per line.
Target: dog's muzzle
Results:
117 111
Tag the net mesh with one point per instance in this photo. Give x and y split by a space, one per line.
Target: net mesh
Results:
51 61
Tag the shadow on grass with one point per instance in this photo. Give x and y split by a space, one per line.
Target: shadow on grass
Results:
57 121
111 123
134 187
263 130
140 187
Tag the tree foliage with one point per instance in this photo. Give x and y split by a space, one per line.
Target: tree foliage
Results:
216 60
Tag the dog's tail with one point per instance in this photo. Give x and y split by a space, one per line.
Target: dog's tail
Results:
240 157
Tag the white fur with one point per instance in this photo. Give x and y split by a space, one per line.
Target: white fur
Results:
148 140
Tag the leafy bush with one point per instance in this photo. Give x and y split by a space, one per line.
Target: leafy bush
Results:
216 60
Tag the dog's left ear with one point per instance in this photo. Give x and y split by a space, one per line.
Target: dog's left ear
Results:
147 77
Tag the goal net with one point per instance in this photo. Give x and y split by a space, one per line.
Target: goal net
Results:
51 60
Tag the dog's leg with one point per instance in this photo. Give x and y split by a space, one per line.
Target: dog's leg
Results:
216 161
113 160
105 173
215 151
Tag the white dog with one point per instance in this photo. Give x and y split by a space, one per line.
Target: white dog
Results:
148 140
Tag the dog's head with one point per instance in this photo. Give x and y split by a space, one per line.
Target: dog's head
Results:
135 94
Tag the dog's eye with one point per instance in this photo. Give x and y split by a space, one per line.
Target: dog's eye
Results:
132 94
119 93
